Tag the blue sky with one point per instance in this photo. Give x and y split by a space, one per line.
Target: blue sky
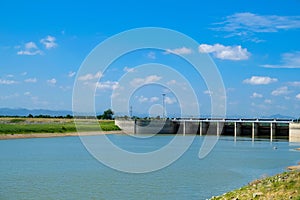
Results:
254 44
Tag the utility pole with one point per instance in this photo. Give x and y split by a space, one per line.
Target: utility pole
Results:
163 114
130 111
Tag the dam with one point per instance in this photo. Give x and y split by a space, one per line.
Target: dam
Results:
254 128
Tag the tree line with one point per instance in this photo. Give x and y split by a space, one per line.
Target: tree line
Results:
107 114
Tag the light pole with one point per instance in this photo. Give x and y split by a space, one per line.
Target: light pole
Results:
130 111
163 113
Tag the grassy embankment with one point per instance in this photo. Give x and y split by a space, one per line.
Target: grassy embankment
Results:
279 187
38 125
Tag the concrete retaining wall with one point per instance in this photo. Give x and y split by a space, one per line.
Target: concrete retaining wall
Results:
126 125
155 126
147 126
294 135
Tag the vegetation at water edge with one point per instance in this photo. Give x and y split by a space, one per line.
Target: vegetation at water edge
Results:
279 187
42 125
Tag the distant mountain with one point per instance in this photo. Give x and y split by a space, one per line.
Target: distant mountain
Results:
276 116
279 116
34 112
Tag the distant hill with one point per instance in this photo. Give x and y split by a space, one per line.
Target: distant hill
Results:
279 116
34 112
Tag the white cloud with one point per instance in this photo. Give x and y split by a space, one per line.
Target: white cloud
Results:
268 101
71 74
23 73
225 52
260 106
7 82
298 96
256 95
146 80
52 81
37 102
281 91
30 80
260 80
169 100
9 96
208 92
65 88
30 45
30 53
244 24
30 49
151 55
90 76
27 93
154 99
128 69
107 85
49 42
288 60
294 83
179 51
172 82
142 99
182 85
281 107
228 90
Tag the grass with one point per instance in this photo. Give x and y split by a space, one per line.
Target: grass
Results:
21 126
17 120
278 187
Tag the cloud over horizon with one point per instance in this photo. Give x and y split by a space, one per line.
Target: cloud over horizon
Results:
244 24
90 76
281 91
260 80
146 80
49 42
225 52
30 49
288 60
179 51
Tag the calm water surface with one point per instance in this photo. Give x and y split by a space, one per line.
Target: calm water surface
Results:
61 168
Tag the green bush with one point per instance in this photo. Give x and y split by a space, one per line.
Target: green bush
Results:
16 120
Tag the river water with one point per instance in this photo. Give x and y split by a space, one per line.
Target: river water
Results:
61 168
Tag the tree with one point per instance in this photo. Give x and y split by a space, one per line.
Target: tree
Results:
107 114
69 116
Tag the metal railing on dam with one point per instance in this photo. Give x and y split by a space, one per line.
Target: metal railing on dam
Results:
249 127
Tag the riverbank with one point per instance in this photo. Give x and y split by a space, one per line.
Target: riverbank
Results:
50 135
281 186
285 185
16 128
11 126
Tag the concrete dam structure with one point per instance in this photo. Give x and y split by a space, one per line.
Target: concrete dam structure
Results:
254 128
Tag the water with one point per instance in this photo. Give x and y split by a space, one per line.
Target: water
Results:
61 168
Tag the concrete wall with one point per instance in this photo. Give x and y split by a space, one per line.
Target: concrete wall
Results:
188 128
126 125
155 126
146 126
294 135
